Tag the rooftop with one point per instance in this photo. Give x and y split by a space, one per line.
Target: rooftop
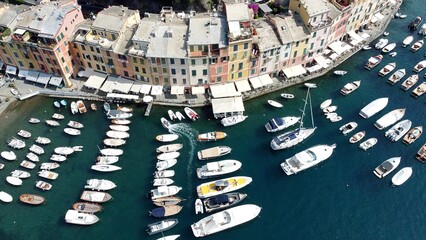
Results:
8 13
315 7
266 35
237 12
207 30
113 18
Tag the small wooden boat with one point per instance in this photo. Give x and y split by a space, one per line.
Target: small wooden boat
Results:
15 181
58 158
165 211
43 140
52 123
367 144
199 208
407 41
387 69
211 136
27 164
419 90
72 131
87 207
48 174
120 128
58 116
169 148
31 199
24 134
5 197
350 87
395 77
73 107
412 135
16 143
409 82
32 157
275 104
45 186
93 106
325 104
80 218
357 137
340 72
167 201
191 114
75 124
402 176
8 155
121 121
162 182
417 45
34 120
105 168
63 102
81 107
117 134
167 137
287 95
49 165
114 142
161 226
95 196
124 109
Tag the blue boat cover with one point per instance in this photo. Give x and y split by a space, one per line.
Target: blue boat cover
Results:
220 199
158 212
275 122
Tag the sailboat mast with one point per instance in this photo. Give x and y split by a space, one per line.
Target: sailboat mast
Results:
312 115
304 109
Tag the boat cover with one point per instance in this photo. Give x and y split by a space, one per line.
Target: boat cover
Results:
220 199
276 122
221 183
213 166
158 212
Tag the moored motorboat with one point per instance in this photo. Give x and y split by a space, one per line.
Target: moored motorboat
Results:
106 106
381 43
168 155
124 109
275 104
225 219
164 173
211 136
307 158
287 95
350 87
93 106
412 135
389 118
164 191
16 143
165 164
395 77
15 181
20 174
398 130
402 176
374 107
281 123
100 160
191 114
111 152
27 164
34 120
367 144
75 124
415 23
99 184
387 69
169 148
24 134
73 107
121 121
95 196
48 174
56 104
198 205
221 186
31 199
81 107
409 82
5 197
167 201
105 168
8 155
373 61
348 127
36 149
422 30
116 114
421 154
49 165
80 218
214 169
43 140
114 142
340 72
223 201
58 116
52 123
419 90
58 158
167 137
72 131
121 128
165 211
172 115
232 120
213 152
407 41
87 207
387 167
310 85
419 66
117 134
330 109
162 182
388 48
45 186
417 45
326 103
179 116
161 226
357 137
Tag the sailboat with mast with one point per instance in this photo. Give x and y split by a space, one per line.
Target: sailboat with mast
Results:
291 138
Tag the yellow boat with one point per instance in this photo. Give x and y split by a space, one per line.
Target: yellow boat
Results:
211 136
225 185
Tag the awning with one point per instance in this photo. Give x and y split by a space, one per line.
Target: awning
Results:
123 85
43 78
95 80
23 73
376 17
227 105
1 64
265 8
11 70
86 73
255 82
265 79
393 2
294 71
136 87
157 90
365 35
224 90
177 90
108 85
333 56
122 96
32 76
243 86
313 68
145 89
355 36
19 31
197 90
56 81
321 61
339 47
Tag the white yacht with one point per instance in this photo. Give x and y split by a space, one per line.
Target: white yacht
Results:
398 130
213 169
350 87
99 184
389 118
280 123
164 191
407 41
230 121
225 219
402 176
367 144
80 218
348 127
387 167
381 43
374 107
307 158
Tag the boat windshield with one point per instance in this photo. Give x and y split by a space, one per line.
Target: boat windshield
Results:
306 156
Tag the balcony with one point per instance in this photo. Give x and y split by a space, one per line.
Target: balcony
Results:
319 25
198 54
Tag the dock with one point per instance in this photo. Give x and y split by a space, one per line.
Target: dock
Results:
148 109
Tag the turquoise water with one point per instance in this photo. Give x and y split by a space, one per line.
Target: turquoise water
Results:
339 199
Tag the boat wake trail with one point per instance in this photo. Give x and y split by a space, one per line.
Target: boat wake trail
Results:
184 130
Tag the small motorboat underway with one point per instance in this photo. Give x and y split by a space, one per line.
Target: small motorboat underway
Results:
5 197
45 186
162 182
225 219
221 186
199 208
165 211
395 77
281 123
172 115
34 120
169 148
75 124
95 196
166 124
15 181
223 201
58 158
387 69
191 114
373 61
58 116
214 169
415 23
374 107
232 120
357 137
287 95
326 103
24 134
348 127
307 158
275 104
419 66
402 176
417 45
121 128
407 41
167 137
211 136
164 191
99 184
72 131
20 174
409 82
48 174
419 90
398 130
412 135
64 150
213 152
167 156
52 123
80 218
8 155
421 154
31 199
49 165
43 140
81 107
390 118
117 134
381 43
387 167
165 164
111 152
161 226
87 207
367 144
164 173
340 72
105 168
73 107
114 142
388 48
350 87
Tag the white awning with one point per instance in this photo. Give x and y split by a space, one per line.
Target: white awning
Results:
95 80
19 31
393 2
333 56
339 47
23 73
265 79
157 90
43 78
122 96
136 87
32 76
86 73
224 90
197 90
108 85
227 105
255 82
56 81
376 17
145 89
11 70
294 71
321 61
243 86
313 68
365 35
123 85
177 90
355 36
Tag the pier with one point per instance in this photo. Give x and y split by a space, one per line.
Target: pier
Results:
148 109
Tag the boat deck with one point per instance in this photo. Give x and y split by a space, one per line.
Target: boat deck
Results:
211 187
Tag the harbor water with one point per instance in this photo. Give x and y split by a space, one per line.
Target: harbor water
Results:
338 199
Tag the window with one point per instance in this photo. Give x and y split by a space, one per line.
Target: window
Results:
218 79
297 44
135 60
172 61
124 64
173 71
240 74
166 80
174 81
62 59
103 68
97 50
126 74
136 69
184 81
200 81
108 53
245 45
312 46
194 72
20 63
235 48
192 62
219 69
315 34
182 61
205 72
142 61
183 71
252 72
204 61
295 54
98 67
92 49
164 70
240 66
48 60
143 70
89 65
154 69
163 61
62 35
67 69
16 54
